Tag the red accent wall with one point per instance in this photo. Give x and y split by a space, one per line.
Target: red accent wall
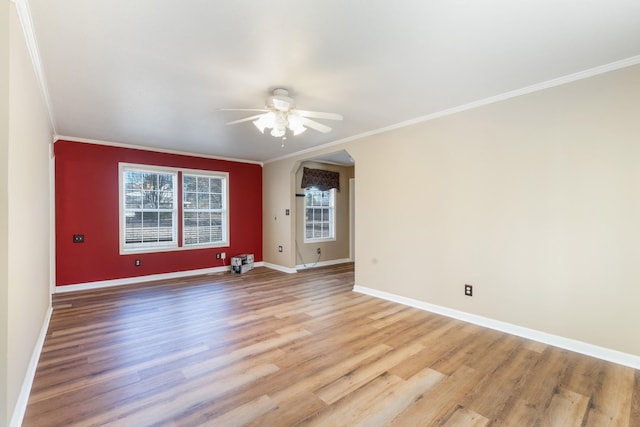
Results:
87 203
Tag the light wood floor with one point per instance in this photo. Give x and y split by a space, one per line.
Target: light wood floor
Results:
271 349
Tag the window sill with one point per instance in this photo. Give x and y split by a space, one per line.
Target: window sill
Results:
331 239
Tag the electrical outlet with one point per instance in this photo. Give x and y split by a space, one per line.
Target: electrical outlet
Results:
468 290
138 263
218 255
318 251
279 248
286 211
78 238
223 255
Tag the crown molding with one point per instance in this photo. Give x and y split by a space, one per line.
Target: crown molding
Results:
24 15
580 75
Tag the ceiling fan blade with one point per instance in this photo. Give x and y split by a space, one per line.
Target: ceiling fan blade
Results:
320 115
315 125
246 119
243 109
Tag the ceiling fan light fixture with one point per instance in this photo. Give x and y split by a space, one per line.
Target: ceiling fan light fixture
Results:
265 121
295 124
277 132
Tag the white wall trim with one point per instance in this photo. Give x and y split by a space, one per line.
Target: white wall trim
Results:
142 279
154 149
138 279
23 398
592 350
591 72
52 220
280 268
322 263
24 15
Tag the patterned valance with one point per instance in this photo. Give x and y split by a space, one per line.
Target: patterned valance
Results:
321 179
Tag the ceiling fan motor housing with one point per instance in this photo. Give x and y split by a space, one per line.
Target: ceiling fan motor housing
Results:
280 100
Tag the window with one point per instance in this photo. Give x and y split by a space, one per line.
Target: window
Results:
204 207
319 222
150 207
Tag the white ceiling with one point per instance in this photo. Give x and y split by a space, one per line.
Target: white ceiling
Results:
155 72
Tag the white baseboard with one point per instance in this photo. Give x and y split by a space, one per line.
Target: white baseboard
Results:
592 350
23 398
280 268
142 279
322 263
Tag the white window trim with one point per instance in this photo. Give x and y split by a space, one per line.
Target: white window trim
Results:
332 210
178 206
142 247
225 208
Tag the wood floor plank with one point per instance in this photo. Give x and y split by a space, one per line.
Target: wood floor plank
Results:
439 402
567 408
344 385
464 417
267 348
383 408
110 375
635 402
244 414
175 403
488 400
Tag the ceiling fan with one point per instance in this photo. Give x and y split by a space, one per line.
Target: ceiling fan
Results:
280 113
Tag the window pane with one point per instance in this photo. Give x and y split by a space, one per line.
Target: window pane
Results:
133 227
216 227
189 183
216 185
203 184
324 229
165 182
150 181
204 227
132 180
165 232
166 200
216 201
190 227
133 200
150 226
203 201
190 201
150 199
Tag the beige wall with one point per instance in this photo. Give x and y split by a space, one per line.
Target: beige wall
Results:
535 201
27 205
278 228
4 211
331 250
